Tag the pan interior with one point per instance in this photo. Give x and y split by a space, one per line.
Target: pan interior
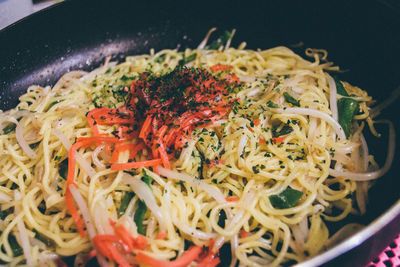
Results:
361 38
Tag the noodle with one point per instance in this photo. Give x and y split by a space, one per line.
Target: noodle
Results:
256 149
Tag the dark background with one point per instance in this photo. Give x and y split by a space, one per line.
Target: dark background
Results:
362 37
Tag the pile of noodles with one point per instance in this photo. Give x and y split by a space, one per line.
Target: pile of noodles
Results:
243 168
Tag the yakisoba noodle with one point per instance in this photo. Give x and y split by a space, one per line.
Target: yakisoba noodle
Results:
265 177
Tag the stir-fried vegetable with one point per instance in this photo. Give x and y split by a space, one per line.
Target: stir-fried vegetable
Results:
277 140
126 199
47 241
53 103
219 67
286 199
136 165
347 108
9 128
210 259
187 60
222 218
160 58
139 216
4 214
80 142
15 247
146 178
291 100
340 88
34 145
117 247
286 129
220 41
188 256
271 104
205 257
63 168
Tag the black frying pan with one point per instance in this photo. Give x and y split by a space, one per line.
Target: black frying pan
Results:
362 37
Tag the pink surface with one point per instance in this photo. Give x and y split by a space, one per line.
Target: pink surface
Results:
389 257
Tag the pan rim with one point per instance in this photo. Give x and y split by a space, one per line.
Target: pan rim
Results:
356 239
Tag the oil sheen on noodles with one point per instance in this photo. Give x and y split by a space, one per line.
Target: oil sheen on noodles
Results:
163 159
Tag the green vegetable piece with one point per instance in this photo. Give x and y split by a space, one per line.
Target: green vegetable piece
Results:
347 108
201 167
124 78
4 214
340 88
284 131
42 207
160 58
222 218
286 199
146 178
53 103
14 186
187 60
47 241
187 245
179 183
221 40
139 215
63 168
34 145
291 100
255 170
271 104
9 128
126 199
15 247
